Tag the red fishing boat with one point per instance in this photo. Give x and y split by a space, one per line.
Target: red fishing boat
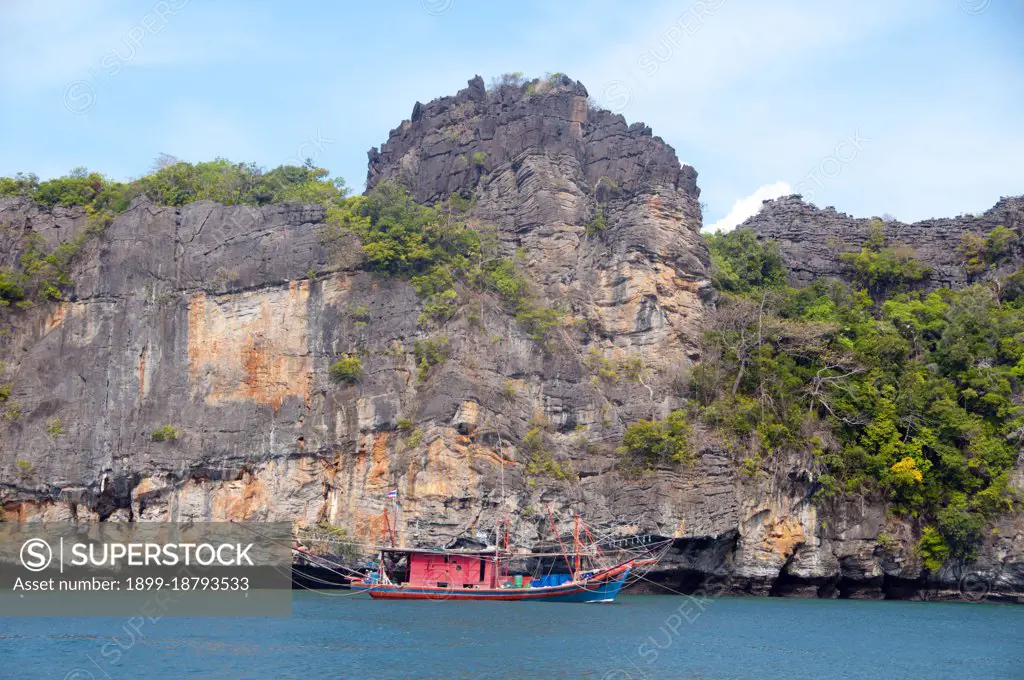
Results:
423 574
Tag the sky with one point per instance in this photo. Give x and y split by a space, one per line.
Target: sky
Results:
913 109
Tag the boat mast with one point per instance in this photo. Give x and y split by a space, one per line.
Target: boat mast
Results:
496 578
554 530
389 533
576 545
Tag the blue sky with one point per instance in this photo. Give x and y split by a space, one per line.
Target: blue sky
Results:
912 108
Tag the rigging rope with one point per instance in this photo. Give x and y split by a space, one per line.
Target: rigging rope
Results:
328 564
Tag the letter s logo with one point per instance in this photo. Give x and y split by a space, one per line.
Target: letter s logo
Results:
36 554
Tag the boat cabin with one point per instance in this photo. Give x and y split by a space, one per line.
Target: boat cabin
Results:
443 568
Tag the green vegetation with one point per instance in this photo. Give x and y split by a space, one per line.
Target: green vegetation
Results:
25 469
981 253
598 223
479 158
179 183
513 79
431 246
883 269
347 369
19 185
537 85
10 410
603 368
12 290
413 434
660 442
739 263
360 314
402 238
632 368
538 321
612 371
508 390
887 542
43 275
55 427
80 187
439 307
581 442
540 460
430 353
176 182
165 433
933 549
890 391
440 255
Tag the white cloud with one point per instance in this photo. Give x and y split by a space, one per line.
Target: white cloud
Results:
750 205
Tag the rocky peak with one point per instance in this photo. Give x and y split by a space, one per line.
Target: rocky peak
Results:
812 238
449 144
608 218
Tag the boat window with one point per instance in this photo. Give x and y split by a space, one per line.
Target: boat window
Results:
483 566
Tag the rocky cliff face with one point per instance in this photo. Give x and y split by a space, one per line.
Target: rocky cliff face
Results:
221 322
543 164
811 239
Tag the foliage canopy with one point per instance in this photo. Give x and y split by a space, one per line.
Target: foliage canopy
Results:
891 391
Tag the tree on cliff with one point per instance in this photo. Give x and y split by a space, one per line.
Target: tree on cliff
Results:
910 395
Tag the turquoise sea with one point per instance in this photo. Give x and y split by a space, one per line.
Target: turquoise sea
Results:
337 635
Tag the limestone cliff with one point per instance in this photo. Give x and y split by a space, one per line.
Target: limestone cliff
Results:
542 165
221 323
811 239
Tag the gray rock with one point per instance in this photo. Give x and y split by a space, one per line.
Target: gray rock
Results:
811 239
222 322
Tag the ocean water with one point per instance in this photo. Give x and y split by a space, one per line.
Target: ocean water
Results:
337 635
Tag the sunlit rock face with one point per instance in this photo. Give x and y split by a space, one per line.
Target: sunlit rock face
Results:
221 323
542 164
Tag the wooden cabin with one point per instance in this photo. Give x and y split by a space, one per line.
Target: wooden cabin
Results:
446 568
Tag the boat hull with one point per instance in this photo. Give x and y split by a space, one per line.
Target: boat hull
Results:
602 587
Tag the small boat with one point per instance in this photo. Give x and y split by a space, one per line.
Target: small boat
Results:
469 575
423 574
476 574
